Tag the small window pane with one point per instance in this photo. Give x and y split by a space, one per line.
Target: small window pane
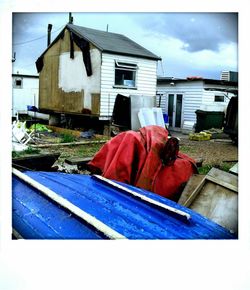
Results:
18 82
125 74
219 98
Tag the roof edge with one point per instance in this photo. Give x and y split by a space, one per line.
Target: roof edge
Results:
25 75
131 54
205 80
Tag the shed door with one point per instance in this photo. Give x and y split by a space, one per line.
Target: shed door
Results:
175 110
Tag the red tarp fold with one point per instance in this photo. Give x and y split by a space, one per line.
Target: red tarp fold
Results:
135 158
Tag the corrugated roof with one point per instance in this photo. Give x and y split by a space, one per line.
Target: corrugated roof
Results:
112 42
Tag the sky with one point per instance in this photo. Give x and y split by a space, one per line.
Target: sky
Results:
190 44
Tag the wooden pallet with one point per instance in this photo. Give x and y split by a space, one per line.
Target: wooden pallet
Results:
215 196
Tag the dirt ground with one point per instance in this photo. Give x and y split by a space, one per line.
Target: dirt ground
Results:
216 152
213 152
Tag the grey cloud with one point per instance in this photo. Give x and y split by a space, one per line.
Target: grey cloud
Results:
198 31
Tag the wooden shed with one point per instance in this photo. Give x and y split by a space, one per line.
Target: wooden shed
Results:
83 70
180 98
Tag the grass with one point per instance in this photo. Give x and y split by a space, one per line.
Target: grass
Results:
80 151
187 149
67 138
88 150
204 169
28 151
224 166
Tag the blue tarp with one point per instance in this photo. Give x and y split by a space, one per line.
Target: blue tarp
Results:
35 216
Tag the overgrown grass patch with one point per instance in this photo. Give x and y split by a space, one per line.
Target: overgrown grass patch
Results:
28 151
67 138
88 150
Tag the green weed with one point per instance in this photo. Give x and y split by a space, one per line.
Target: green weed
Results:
29 150
67 138
88 150
187 149
224 166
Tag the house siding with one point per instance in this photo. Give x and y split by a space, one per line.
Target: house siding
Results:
145 80
195 97
192 98
26 95
208 96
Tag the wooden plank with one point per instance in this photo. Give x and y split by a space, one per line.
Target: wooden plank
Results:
222 140
193 195
60 130
215 197
68 144
190 187
100 226
78 160
72 101
216 176
218 204
222 183
75 133
95 106
223 177
234 169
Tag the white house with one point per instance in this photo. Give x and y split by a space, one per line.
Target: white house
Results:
82 71
180 98
24 92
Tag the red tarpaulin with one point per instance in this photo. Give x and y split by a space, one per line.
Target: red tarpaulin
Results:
136 158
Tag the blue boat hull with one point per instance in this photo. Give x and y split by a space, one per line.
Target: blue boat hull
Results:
36 216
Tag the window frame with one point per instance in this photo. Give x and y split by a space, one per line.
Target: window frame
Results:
125 66
15 83
219 96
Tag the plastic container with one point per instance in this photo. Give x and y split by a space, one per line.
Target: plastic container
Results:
208 119
202 136
165 117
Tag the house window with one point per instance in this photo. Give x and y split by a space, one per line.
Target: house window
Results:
125 74
18 83
219 98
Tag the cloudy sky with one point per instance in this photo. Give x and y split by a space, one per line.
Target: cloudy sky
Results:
190 44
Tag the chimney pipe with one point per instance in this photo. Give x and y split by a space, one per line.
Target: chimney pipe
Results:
49 34
70 18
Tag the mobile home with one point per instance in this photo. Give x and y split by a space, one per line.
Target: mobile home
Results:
180 98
